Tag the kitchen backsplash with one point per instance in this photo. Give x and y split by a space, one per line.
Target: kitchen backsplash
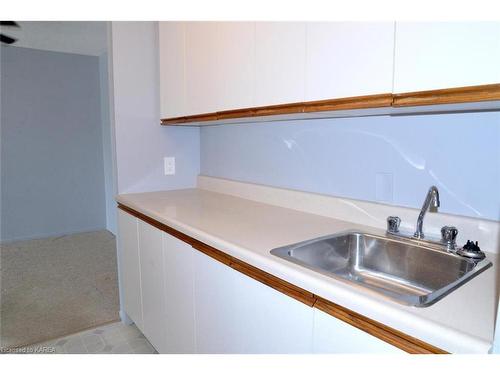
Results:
390 159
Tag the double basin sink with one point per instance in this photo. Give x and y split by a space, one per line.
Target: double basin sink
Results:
406 271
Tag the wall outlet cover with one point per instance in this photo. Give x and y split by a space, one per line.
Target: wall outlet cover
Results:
169 165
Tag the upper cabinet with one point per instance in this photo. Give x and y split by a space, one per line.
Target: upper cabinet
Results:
347 59
172 69
226 70
438 55
206 67
202 84
280 55
235 56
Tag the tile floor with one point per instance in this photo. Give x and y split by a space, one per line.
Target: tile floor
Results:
114 338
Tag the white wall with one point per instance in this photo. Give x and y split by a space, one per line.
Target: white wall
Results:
107 145
52 159
141 143
390 159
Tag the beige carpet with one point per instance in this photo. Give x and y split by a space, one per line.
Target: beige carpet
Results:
57 286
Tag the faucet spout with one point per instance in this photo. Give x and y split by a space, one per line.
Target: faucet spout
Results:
431 203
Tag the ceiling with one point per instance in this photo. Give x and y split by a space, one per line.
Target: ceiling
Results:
85 38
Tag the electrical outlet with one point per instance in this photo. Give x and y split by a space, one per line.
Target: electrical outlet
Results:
169 165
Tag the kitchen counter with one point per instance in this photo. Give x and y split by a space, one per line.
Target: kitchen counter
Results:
462 322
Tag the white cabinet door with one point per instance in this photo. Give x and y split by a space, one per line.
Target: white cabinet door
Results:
202 86
130 274
280 54
349 59
332 335
172 75
179 295
236 314
216 321
152 282
270 322
235 52
434 55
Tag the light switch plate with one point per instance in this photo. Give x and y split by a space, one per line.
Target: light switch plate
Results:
169 165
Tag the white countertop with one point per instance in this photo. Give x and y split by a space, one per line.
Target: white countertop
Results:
462 322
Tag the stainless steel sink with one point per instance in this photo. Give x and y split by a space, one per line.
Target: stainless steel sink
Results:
407 271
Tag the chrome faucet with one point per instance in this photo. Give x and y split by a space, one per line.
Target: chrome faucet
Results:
431 203
448 240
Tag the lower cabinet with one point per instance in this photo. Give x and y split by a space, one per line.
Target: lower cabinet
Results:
152 282
270 321
216 319
236 314
186 302
130 272
332 335
179 320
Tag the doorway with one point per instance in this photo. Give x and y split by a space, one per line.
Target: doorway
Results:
58 268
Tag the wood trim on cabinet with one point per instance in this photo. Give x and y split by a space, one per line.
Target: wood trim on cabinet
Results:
280 109
213 252
235 113
266 278
198 245
385 333
173 121
448 96
355 102
455 95
188 119
274 282
155 223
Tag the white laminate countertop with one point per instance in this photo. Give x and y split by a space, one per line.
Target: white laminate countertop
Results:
462 322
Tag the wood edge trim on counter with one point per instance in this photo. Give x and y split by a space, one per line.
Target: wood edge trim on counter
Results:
455 95
213 252
198 245
448 96
385 333
394 337
274 282
245 268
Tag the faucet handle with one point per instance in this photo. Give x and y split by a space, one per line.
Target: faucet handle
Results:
393 224
448 236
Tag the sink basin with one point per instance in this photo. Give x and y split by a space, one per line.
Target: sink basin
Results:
407 271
